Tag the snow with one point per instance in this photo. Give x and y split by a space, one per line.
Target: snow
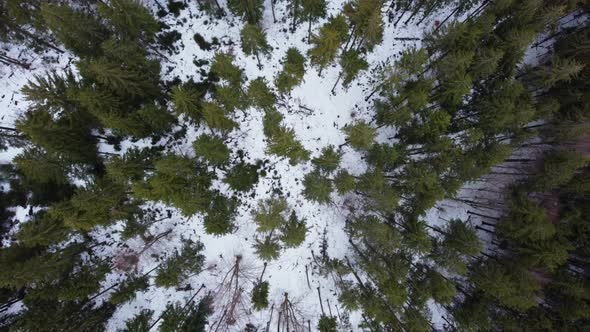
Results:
317 130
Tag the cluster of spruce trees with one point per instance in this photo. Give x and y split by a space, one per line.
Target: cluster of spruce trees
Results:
460 105
456 107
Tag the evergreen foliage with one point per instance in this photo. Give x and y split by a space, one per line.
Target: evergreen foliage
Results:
260 295
181 265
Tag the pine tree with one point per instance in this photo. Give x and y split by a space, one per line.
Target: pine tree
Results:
283 143
80 32
260 295
231 97
224 68
216 118
317 187
220 216
268 249
242 177
41 166
359 135
181 265
269 215
327 324
293 231
329 160
131 166
180 181
71 140
312 11
351 63
344 182
253 40
130 19
99 204
292 73
249 9
42 230
140 322
327 43
260 94
212 149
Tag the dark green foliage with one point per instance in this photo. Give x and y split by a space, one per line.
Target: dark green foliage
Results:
293 231
187 318
186 99
352 63
128 288
344 182
140 322
180 181
42 230
216 118
224 68
98 205
181 265
242 177
269 215
220 216
253 40
327 43
268 249
251 10
327 324
260 295
260 95
283 142
317 187
212 149
293 71
329 160
359 135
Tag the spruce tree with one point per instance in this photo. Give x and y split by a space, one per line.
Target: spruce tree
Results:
212 149
253 40
327 43
292 73
359 135
267 249
181 265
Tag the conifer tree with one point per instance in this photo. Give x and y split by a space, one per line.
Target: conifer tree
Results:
260 295
317 187
140 322
344 182
242 176
216 118
220 216
292 73
130 19
180 181
41 166
269 215
224 68
283 143
80 32
101 203
267 249
186 101
260 94
181 265
293 231
359 135
253 40
327 43
329 160
212 149
351 64
312 11
251 10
